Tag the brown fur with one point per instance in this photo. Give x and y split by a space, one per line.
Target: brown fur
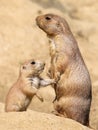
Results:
21 93
73 90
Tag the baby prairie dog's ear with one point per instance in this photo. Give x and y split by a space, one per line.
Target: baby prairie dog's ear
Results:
23 67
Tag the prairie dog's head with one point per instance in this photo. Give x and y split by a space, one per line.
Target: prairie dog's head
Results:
52 24
32 68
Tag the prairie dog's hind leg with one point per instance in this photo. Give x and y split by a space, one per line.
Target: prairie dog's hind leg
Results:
13 108
39 97
59 114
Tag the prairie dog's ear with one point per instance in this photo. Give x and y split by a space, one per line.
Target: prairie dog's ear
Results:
23 67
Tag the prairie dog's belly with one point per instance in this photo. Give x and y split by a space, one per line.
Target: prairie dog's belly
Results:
73 86
71 103
52 48
36 82
22 102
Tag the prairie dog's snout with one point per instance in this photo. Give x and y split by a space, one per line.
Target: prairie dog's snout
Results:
38 65
50 24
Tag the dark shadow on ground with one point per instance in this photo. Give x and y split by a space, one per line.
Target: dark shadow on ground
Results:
50 4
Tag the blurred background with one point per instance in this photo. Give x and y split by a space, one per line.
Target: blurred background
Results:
21 39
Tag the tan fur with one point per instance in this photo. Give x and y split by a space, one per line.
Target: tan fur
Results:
73 90
27 85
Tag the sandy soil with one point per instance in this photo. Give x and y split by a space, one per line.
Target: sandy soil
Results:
32 120
21 39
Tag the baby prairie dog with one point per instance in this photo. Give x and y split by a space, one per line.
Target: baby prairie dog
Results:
73 89
27 85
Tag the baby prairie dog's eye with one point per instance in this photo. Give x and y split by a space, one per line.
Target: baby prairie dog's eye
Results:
33 62
48 18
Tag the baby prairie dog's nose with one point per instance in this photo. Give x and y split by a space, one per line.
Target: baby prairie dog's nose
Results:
43 64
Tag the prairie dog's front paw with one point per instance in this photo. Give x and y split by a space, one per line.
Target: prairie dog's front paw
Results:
53 81
49 73
57 77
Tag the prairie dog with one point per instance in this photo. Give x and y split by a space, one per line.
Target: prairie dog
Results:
27 85
73 89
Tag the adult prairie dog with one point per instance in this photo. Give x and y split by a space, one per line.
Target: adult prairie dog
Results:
27 85
73 90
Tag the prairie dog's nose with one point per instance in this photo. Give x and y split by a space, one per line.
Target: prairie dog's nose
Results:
44 64
38 18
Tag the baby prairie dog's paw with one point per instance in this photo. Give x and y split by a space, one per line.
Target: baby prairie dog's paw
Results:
53 81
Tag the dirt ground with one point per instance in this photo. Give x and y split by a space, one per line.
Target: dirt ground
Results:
21 39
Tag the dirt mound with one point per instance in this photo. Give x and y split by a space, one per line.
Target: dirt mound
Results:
31 120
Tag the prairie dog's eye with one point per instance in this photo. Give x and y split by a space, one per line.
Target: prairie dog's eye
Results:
33 62
48 18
